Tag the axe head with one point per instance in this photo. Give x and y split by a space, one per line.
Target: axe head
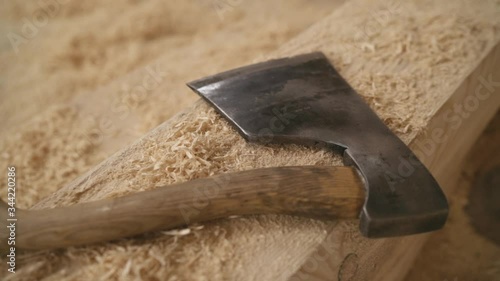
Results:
304 100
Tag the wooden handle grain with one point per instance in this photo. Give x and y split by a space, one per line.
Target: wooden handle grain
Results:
312 191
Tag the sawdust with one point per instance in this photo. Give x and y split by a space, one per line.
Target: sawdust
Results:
48 163
405 71
80 59
72 62
85 45
198 143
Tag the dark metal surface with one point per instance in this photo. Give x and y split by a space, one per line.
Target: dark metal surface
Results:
304 100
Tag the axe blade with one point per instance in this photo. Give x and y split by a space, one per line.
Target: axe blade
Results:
304 100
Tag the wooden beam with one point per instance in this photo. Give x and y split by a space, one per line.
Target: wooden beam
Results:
427 70
463 107
442 148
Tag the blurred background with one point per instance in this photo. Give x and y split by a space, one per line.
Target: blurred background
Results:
79 80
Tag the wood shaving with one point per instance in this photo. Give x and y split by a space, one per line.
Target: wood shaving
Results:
402 77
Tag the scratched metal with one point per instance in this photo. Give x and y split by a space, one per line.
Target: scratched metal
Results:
304 100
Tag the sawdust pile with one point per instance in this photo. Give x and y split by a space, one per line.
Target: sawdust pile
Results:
48 163
55 85
150 164
85 63
197 143
403 64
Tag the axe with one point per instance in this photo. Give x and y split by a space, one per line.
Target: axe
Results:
301 100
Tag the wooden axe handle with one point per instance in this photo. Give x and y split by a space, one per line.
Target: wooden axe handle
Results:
312 191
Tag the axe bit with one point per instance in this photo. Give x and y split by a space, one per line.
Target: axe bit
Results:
300 100
325 109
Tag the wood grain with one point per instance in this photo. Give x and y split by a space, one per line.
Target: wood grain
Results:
413 61
311 191
345 255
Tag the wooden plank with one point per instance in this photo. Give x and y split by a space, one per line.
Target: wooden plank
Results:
348 255
412 62
452 253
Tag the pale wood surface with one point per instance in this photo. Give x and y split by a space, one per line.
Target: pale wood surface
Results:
424 45
463 251
346 253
